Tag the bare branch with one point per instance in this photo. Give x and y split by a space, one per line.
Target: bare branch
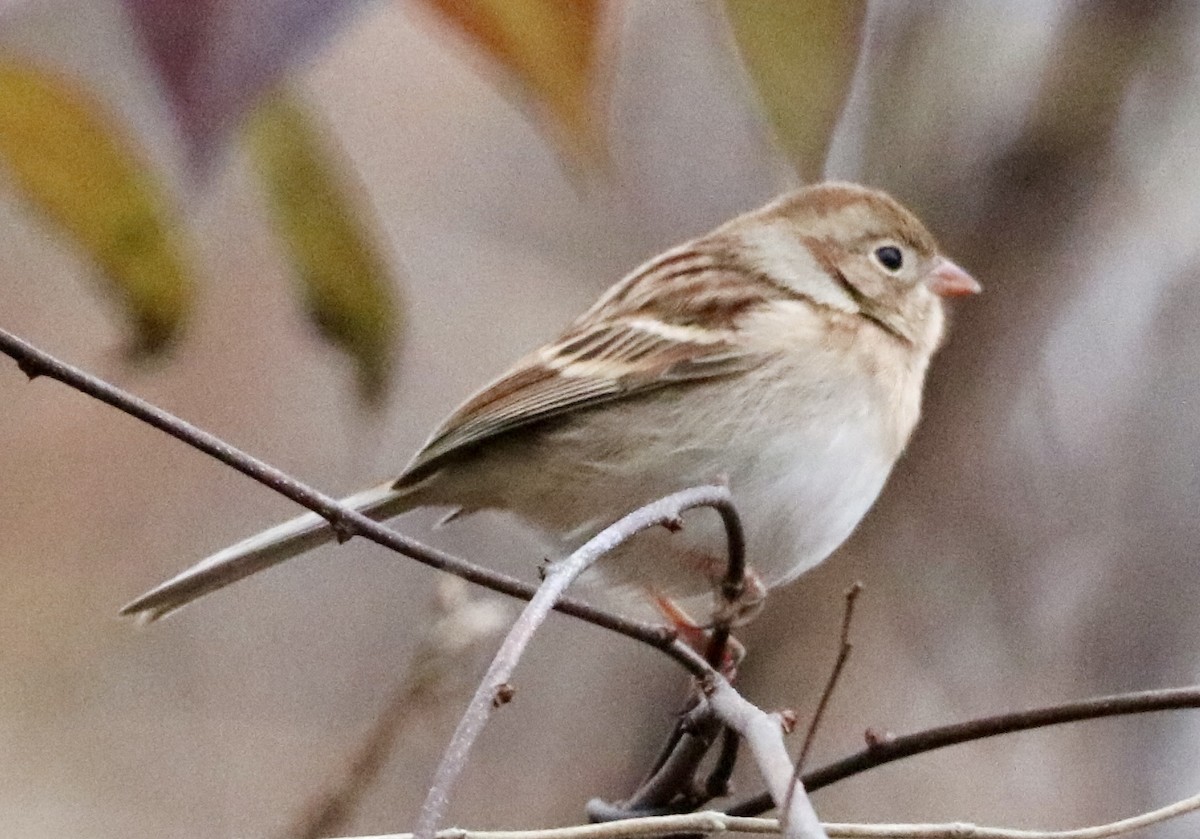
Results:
717 783
558 576
763 733
896 748
671 785
713 822
844 650
345 521
732 586
646 826
698 729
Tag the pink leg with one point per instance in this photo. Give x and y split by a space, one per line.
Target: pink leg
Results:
697 636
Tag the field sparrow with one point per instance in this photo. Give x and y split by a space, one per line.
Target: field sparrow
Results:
784 352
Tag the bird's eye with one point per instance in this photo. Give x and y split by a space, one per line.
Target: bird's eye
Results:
890 257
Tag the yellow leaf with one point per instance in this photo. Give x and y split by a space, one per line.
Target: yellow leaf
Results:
347 287
801 56
81 174
549 46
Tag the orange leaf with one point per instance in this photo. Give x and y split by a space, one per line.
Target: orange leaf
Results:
549 46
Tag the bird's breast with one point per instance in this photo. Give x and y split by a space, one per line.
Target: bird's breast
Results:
808 489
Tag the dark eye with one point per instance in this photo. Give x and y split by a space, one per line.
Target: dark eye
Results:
890 257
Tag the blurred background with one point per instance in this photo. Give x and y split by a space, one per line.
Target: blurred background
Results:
312 228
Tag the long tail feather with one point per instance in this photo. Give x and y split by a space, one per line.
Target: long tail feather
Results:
260 552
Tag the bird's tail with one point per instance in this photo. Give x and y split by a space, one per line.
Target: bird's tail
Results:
260 552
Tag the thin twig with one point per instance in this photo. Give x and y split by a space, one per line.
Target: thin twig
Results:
733 584
670 784
735 563
844 650
682 721
896 748
447 649
344 520
717 783
704 822
713 822
763 734
675 775
558 577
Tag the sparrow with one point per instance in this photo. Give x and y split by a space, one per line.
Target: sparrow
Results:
784 353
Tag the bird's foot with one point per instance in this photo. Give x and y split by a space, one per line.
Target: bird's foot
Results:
700 637
744 606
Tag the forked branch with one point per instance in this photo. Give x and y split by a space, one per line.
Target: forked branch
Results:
730 707
559 575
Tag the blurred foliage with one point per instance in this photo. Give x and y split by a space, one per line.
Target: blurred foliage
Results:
217 60
347 288
77 168
801 57
549 47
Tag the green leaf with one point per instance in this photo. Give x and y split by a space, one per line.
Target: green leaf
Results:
801 56
549 47
347 288
77 169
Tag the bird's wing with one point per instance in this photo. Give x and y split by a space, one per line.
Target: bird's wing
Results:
594 363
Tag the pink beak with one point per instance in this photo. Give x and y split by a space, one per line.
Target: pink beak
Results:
948 280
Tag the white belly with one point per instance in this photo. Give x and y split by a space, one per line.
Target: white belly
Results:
807 495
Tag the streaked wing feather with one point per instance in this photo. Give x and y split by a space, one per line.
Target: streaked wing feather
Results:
597 363
711 366
511 411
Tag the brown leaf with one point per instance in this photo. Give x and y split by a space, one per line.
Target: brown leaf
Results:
549 46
